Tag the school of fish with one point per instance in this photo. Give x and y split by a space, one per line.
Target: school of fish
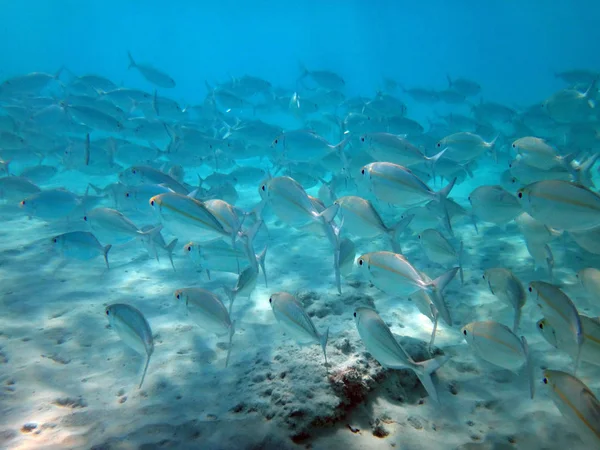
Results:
380 182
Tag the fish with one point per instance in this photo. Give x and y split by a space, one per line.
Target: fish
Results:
133 329
560 312
187 218
152 74
589 278
306 146
111 225
217 255
292 317
576 402
439 250
497 344
208 311
400 186
51 204
508 288
561 204
590 348
324 78
536 152
383 346
395 275
464 86
396 149
362 219
81 245
464 147
494 204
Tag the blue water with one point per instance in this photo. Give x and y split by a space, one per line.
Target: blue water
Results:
511 48
222 373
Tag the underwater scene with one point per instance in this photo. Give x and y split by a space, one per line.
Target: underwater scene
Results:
300 225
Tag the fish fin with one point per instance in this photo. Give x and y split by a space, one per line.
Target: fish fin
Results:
155 105
86 152
106 249
449 81
261 262
425 369
131 60
442 281
435 314
441 197
329 214
170 248
231 293
474 218
231 333
431 160
323 340
460 263
145 370
517 320
529 367
208 274
398 229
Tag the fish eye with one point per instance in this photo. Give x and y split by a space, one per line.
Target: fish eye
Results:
85 218
127 194
530 289
419 236
541 325
263 187
354 313
465 332
133 171
520 195
438 145
360 262
107 312
55 240
362 139
545 380
178 296
275 141
514 146
151 202
23 203
270 299
189 248
483 276
362 171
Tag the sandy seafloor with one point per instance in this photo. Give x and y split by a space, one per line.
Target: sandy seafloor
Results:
64 372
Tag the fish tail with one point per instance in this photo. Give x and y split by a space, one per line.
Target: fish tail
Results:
145 370
106 249
170 248
396 230
323 339
529 364
231 333
131 60
425 369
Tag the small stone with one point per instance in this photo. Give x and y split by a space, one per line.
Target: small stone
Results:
28 427
123 399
